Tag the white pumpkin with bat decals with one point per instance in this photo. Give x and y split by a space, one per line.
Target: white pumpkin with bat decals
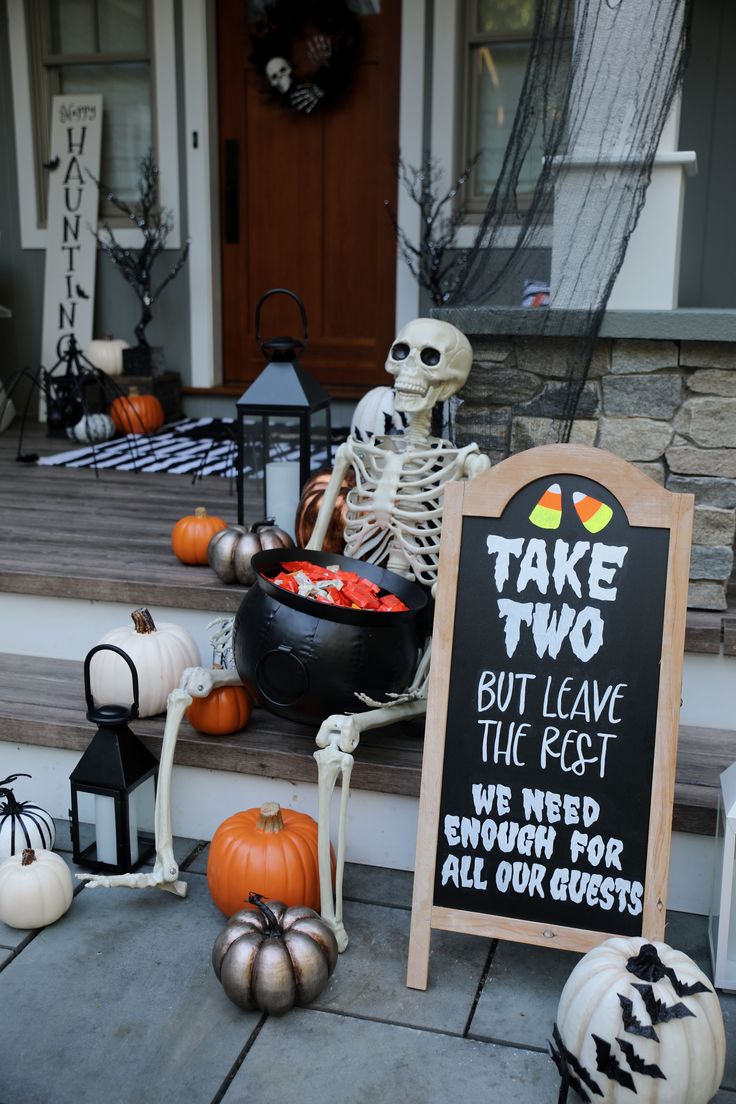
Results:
639 1021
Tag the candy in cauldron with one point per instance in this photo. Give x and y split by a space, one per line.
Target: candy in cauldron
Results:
305 660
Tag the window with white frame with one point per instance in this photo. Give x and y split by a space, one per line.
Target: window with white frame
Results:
84 46
496 43
123 49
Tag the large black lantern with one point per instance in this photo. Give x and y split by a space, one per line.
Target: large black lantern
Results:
113 786
284 425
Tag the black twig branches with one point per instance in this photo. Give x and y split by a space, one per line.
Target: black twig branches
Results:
155 224
433 262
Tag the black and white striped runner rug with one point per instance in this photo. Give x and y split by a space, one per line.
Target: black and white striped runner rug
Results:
194 446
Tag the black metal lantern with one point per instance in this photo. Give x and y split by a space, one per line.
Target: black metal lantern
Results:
113 786
284 425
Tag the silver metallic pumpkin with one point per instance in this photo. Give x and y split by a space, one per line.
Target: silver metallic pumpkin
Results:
273 957
91 429
230 551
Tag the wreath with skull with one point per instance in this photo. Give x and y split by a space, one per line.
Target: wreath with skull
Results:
305 51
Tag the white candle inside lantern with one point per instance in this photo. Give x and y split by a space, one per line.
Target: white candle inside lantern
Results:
106 837
282 492
133 827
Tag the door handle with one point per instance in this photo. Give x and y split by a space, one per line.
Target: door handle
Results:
232 191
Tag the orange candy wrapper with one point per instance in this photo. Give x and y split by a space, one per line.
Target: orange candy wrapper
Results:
334 587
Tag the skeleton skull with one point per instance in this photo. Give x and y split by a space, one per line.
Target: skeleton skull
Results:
278 72
430 361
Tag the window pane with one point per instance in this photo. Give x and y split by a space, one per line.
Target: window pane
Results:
504 16
122 25
105 26
73 27
126 117
498 75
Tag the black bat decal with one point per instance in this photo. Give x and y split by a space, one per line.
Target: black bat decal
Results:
573 1073
637 1063
608 1063
51 165
684 988
631 1023
659 1012
81 292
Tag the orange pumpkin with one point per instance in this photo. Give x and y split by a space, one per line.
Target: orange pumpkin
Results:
191 535
135 413
271 851
227 709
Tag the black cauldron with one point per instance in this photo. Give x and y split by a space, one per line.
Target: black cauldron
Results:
305 660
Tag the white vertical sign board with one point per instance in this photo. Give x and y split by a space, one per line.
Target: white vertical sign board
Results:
69 285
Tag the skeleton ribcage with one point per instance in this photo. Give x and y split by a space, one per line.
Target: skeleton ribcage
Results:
397 503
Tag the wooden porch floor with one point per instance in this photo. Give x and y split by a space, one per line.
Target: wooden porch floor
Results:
65 533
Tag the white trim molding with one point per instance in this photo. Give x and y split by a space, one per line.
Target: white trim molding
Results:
411 121
205 332
32 235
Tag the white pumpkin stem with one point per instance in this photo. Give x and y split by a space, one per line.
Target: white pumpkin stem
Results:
29 856
143 621
270 819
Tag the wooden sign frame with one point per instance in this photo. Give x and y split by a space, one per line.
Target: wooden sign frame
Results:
645 505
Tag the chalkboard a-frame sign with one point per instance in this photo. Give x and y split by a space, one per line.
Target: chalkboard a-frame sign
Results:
545 810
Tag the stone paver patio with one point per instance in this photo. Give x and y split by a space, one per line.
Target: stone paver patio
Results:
117 1003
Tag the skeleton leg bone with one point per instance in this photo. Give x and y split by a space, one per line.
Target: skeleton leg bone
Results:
196 682
337 739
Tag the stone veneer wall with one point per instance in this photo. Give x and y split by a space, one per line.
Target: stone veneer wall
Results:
669 407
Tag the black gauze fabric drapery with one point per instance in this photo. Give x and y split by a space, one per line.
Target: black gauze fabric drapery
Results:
600 83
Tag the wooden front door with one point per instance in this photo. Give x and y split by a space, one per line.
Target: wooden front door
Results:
303 203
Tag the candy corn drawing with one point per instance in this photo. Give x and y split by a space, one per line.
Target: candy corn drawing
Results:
547 514
594 515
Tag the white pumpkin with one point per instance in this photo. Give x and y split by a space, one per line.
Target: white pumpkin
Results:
640 1021
35 888
375 416
160 653
106 353
92 428
22 824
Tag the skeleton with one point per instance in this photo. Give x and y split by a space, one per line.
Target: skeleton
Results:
278 74
394 517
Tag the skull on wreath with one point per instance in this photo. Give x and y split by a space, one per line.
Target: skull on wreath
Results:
278 72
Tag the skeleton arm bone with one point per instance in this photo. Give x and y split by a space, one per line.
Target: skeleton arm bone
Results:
327 505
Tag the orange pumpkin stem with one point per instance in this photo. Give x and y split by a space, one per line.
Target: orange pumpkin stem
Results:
29 856
143 621
270 819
